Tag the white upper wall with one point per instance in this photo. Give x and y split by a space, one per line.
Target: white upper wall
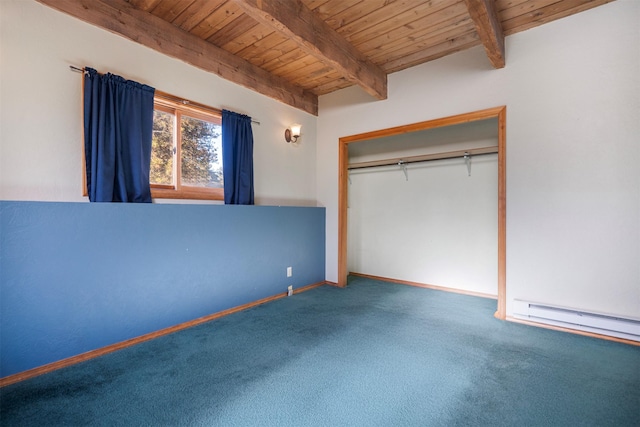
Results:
572 93
41 109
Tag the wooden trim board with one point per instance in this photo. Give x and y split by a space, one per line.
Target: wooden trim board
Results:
501 312
426 286
50 367
573 331
508 318
499 113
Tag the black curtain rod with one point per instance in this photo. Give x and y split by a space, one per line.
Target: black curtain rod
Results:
82 70
424 158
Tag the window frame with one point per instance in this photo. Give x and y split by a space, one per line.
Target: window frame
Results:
179 107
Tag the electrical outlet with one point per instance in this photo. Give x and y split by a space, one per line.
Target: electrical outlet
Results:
290 290
289 271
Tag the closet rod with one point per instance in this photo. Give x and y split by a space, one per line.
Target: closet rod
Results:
169 96
424 158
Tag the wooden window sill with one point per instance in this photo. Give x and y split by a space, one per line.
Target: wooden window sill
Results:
188 193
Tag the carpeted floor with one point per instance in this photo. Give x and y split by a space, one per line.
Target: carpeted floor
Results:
373 354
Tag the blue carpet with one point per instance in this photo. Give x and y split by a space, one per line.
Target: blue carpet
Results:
373 354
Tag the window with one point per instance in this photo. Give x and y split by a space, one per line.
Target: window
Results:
186 152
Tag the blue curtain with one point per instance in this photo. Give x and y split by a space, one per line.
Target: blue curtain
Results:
237 158
118 125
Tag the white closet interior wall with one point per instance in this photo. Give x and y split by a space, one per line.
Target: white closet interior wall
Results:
437 227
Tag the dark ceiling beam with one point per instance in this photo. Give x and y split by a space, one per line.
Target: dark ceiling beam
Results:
121 18
485 17
314 36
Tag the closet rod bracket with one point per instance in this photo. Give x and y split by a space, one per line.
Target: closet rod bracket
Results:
467 160
403 165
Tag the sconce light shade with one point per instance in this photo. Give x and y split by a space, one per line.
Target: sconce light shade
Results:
292 134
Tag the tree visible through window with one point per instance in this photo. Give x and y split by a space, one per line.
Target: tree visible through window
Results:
162 148
201 153
186 159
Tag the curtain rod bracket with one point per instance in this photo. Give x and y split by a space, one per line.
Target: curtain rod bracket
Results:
78 70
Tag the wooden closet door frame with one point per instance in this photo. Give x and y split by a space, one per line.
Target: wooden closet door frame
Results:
343 178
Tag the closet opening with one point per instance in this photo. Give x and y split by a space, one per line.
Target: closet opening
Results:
405 164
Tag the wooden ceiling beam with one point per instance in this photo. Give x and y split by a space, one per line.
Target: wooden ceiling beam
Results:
121 18
314 36
485 17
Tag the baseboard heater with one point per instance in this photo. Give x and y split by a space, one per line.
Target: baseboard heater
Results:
619 327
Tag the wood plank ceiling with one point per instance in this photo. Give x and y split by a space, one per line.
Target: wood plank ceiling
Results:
296 50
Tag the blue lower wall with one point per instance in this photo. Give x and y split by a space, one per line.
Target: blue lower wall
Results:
77 276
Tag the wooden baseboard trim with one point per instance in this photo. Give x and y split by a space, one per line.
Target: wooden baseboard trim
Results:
333 284
508 318
50 367
427 286
573 331
304 289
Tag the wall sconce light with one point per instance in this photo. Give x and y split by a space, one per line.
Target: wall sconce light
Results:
292 134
